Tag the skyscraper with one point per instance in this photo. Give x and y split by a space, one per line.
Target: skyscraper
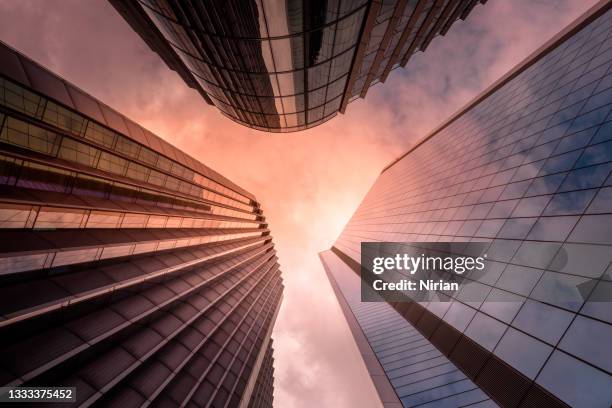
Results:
128 269
525 167
283 66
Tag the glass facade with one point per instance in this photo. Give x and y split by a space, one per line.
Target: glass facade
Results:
284 66
263 393
128 269
419 374
526 168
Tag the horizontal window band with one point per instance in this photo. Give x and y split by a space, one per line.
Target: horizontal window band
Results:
41 120
33 159
289 36
89 248
257 271
255 250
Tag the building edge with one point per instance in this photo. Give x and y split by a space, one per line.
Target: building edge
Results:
384 389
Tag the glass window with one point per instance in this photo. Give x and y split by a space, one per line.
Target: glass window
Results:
576 383
137 172
531 207
134 221
421 391
515 190
560 163
485 330
103 219
604 133
599 153
459 315
562 290
602 202
536 254
599 304
78 152
589 177
100 134
502 209
30 137
64 118
593 228
111 163
73 257
552 228
489 228
516 228
49 217
523 352
575 141
545 322
14 215
589 340
18 98
127 147
582 259
519 279
502 305
569 203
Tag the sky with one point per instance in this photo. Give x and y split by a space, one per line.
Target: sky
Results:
310 182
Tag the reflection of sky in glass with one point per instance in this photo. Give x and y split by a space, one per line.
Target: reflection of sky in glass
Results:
528 169
418 372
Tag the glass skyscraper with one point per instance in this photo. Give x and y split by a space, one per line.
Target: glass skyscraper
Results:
128 269
284 66
525 167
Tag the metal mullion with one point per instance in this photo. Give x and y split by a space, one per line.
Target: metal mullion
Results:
62 133
211 34
229 94
184 22
231 69
305 47
468 9
268 313
302 111
449 21
73 299
3 121
360 47
150 209
421 31
269 43
239 58
269 283
100 174
270 265
139 362
134 244
278 72
395 18
327 82
404 37
39 122
450 6
272 315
